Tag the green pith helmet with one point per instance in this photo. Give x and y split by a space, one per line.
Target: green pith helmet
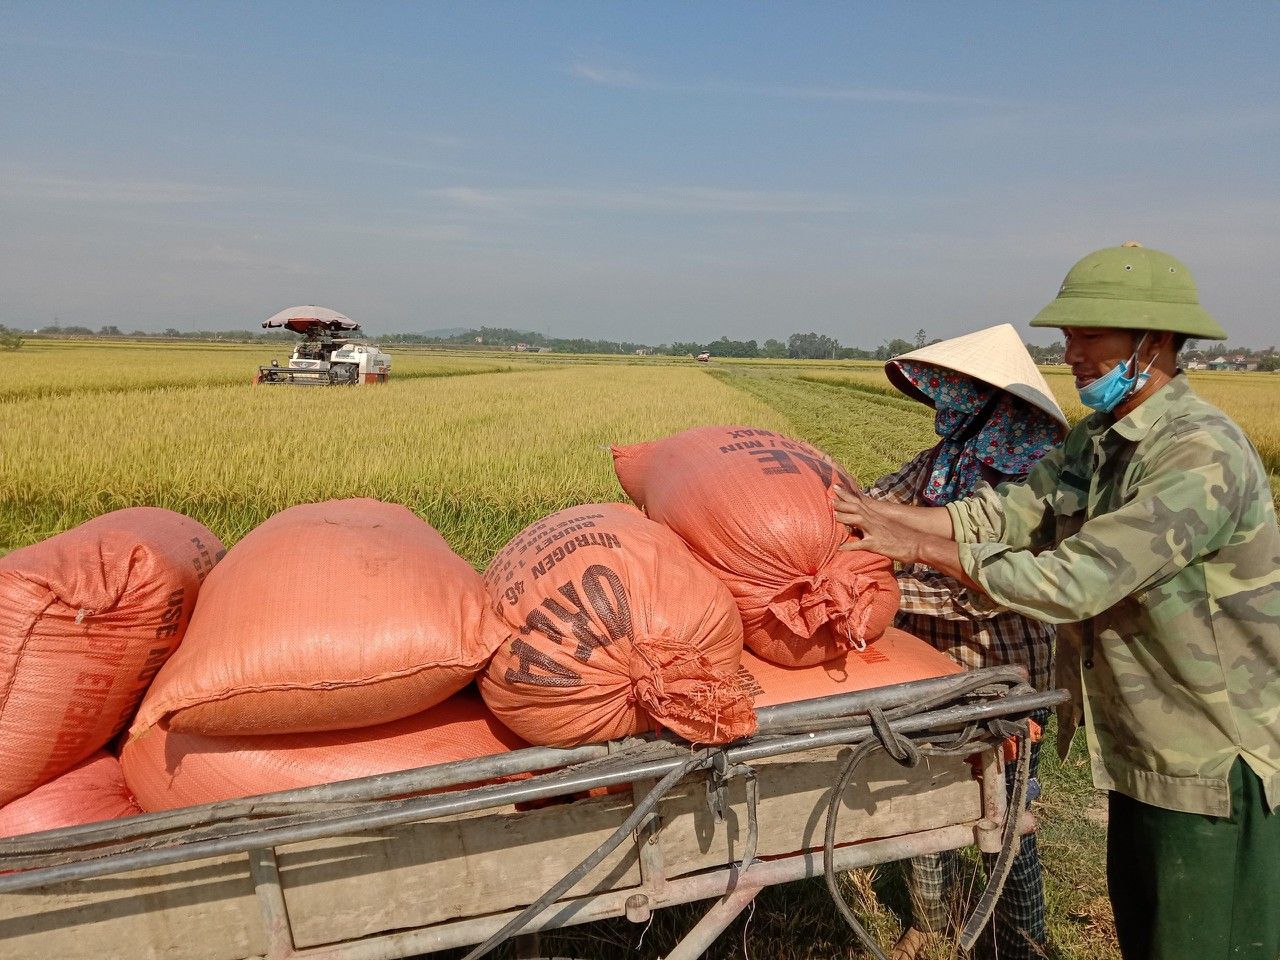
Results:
1132 288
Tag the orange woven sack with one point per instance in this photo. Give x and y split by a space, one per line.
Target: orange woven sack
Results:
328 616
897 657
86 620
614 629
167 769
754 506
92 790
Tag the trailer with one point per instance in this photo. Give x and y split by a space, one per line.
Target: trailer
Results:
475 852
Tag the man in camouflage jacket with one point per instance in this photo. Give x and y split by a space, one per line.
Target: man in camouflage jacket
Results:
1150 535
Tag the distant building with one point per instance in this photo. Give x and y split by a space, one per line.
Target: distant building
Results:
1238 362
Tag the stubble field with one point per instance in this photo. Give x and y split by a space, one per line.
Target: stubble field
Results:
480 446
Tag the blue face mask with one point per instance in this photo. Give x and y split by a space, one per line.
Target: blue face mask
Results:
1110 390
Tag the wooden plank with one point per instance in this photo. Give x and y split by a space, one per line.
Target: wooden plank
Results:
885 800
424 873
204 910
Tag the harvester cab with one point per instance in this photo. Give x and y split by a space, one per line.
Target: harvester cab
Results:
328 353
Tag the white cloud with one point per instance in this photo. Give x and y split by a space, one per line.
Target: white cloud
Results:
403 163
681 200
610 77
25 186
442 140
94 46
628 80
864 95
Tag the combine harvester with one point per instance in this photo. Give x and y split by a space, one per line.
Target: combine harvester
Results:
327 355
389 866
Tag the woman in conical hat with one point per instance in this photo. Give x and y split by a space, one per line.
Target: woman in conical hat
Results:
994 417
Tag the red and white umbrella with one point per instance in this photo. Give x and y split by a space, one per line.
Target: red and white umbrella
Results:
301 319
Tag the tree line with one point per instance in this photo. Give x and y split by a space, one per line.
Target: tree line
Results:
74 331
798 346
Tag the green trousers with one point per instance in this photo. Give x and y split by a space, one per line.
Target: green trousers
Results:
1191 887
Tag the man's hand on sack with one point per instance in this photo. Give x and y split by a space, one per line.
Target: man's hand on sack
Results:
903 533
874 522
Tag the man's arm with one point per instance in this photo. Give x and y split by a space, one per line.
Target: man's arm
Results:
1017 514
1181 508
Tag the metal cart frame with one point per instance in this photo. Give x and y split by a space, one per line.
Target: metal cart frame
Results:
412 862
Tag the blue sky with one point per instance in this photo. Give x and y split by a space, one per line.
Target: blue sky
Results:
643 171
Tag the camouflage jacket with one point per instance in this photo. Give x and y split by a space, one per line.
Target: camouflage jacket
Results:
1154 537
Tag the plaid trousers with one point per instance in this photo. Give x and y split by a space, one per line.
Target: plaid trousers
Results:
1017 930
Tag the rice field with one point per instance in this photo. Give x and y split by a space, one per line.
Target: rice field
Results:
477 454
50 368
480 446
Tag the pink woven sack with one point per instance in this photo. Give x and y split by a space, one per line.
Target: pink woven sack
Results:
614 629
328 616
167 769
92 790
755 507
86 620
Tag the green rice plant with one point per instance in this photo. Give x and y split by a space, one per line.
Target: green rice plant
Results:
871 431
868 381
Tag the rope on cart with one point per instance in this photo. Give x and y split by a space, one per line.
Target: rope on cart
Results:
698 761
860 753
908 753
986 905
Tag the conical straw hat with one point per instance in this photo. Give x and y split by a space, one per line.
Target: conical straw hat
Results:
995 355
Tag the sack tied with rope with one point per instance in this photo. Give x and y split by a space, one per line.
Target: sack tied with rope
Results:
614 629
754 507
